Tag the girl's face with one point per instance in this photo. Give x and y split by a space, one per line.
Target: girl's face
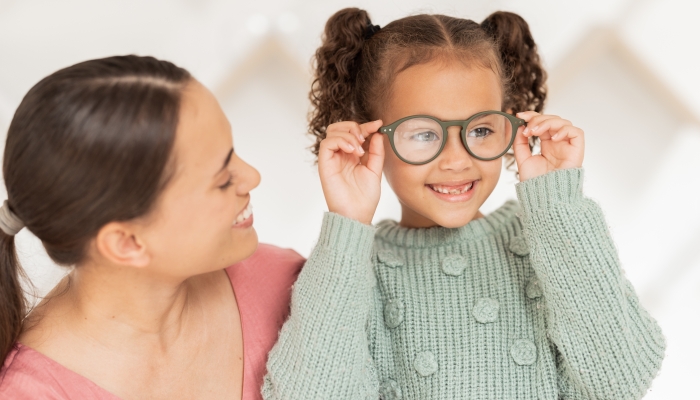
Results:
202 222
448 91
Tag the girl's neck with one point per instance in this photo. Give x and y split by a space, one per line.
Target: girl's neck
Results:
411 219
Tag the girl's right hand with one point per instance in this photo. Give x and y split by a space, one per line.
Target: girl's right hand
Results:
351 188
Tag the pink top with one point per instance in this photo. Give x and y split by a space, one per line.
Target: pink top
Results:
262 285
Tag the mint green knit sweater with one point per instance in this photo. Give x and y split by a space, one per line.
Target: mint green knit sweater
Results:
528 302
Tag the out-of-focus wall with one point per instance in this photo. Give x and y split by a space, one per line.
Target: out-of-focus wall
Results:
622 70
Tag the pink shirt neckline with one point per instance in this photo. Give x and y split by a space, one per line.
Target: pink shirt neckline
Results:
262 287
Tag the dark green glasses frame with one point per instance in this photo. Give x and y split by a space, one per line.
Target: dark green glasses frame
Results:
463 124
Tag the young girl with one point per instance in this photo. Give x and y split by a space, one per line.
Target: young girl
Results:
124 168
528 302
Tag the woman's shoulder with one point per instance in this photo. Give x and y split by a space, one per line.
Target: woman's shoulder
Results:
262 285
268 258
269 273
23 374
28 374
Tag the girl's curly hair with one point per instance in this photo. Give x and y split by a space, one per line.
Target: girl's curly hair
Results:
354 70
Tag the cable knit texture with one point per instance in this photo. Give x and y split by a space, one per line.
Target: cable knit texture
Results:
528 302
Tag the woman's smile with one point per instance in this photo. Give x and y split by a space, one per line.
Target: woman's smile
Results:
244 219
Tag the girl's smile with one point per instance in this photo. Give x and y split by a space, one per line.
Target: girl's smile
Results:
454 192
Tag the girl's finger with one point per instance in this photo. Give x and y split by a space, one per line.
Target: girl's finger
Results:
375 158
345 127
571 133
527 115
534 126
369 128
352 139
330 146
521 147
551 125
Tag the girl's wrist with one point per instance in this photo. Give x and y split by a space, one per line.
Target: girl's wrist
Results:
554 187
353 215
344 234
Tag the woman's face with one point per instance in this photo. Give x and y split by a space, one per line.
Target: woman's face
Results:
202 221
448 91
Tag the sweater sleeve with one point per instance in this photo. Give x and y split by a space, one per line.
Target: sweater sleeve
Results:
323 349
607 345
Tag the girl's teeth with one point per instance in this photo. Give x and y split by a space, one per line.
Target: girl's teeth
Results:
445 190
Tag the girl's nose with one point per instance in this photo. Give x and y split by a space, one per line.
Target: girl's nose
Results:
454 156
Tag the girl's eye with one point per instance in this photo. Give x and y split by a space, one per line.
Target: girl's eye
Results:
427 136
228 183
480 132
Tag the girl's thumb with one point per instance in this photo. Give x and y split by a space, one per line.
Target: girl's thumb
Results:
375 157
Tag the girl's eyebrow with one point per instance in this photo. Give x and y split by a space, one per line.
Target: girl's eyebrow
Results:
226 161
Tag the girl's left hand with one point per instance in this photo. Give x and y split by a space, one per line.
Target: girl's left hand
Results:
561 145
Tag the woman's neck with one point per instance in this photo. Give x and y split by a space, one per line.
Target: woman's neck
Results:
125 301
150 329
111 305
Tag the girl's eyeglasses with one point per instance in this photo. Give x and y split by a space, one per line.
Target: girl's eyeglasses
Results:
419 139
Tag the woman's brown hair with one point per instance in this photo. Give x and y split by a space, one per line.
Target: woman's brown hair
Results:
355 67
88 145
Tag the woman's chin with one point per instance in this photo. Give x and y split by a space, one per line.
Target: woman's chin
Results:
244 247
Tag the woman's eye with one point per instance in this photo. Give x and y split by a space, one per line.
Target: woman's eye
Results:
480 132
228 183
426 136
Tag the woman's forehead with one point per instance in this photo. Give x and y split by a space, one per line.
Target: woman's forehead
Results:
203 129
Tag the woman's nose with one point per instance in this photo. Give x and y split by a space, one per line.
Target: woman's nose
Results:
249 178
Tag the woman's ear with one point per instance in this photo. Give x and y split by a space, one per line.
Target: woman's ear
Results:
120 244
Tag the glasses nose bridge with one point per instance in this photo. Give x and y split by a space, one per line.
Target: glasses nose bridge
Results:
462 124
449 124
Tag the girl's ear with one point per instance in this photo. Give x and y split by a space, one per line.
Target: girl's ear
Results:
120 244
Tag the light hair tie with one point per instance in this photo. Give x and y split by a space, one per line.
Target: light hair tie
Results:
9 222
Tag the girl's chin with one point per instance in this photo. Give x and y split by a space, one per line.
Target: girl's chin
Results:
451 220
457 219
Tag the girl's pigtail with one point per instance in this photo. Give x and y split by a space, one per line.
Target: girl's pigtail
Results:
523 70
336 65
13 306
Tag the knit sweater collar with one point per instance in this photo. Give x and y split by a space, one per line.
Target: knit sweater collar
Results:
390 231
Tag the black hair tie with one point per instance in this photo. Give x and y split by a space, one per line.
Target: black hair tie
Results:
371 30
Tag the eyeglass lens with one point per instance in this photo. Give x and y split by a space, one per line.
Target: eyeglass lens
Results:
419 139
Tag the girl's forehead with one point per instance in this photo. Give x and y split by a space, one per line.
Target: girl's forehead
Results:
445 90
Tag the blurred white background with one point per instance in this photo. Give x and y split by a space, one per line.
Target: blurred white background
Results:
625 71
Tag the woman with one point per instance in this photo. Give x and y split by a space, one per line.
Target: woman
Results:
124 168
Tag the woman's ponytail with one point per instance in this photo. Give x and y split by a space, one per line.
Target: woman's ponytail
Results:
337 61
521 63
13 306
